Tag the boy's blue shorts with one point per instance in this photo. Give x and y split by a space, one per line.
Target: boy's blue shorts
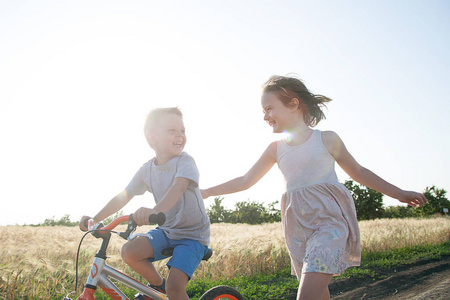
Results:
187 254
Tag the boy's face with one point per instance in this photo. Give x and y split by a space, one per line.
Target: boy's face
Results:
169 137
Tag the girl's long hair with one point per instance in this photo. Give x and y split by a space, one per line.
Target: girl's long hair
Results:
288 88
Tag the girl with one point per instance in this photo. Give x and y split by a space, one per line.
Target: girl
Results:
318 213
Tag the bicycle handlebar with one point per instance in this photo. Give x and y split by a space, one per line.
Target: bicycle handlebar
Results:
159 219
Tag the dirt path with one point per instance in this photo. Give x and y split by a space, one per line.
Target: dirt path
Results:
427 279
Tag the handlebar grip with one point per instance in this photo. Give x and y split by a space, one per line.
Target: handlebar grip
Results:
159 219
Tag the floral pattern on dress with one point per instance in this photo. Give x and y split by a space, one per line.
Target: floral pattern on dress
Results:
320 259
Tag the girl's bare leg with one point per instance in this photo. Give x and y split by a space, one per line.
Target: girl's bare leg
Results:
314 286
135 254
327 295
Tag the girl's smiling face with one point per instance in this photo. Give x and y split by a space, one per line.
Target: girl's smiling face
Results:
276 114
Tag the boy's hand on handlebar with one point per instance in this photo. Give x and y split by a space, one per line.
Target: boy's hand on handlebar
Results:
142 214
83 223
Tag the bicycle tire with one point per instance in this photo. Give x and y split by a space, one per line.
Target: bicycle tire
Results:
222 292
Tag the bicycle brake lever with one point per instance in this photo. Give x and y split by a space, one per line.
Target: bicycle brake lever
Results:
130 228
133 236
94 230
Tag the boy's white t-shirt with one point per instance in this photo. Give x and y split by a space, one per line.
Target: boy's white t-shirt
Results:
187 219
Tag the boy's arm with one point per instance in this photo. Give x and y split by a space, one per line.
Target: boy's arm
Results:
259 169
171 197
113 206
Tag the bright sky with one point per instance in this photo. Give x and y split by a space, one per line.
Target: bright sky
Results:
77 79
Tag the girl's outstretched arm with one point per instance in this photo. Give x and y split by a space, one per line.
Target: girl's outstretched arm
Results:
337 149
259 169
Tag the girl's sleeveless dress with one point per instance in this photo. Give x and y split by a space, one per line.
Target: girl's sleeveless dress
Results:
318 213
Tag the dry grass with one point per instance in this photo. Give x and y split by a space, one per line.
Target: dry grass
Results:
385 234
42 259
242 249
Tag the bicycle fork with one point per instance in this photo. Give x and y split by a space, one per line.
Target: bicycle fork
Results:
97 276
93 280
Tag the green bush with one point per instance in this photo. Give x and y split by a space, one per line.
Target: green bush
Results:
250 212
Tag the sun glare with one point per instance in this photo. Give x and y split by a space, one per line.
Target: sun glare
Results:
286 136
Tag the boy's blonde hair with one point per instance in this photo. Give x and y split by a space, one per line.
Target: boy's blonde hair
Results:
153 118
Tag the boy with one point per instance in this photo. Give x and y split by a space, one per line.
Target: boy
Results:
173 179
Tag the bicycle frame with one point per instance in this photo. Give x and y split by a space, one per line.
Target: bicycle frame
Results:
101 272
98 276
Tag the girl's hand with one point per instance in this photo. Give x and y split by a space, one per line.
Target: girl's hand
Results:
205 194
141 215
412 198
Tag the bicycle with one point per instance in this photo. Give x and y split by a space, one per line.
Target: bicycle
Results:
101 272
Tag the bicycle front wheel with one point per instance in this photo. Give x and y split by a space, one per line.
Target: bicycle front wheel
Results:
222 292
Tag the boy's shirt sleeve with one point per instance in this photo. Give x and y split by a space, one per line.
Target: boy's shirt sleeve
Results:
188 169
137 185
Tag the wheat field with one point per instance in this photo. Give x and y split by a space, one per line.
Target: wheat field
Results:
38 259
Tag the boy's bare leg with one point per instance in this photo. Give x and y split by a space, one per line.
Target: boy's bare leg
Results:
136 253
314 286
176 284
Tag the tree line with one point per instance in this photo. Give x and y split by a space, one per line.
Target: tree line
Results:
250 212
368 202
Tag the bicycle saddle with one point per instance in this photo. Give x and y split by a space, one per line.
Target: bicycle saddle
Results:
169 252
